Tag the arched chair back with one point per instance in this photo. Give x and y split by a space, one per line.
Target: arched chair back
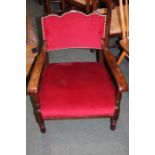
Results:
73 30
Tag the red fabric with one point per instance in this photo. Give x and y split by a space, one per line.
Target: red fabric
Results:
76 90
73 30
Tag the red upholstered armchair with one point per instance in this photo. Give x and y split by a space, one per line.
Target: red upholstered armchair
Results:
76 89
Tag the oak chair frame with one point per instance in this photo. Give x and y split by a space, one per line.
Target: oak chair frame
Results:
105 56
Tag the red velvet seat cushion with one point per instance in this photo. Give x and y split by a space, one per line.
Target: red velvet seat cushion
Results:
76 90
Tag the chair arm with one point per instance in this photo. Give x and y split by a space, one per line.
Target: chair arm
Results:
116 72
109 3
36 72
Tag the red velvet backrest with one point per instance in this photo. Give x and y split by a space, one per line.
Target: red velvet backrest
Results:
73 29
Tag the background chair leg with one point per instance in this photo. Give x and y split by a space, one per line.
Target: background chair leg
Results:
123 54
63 5
47 7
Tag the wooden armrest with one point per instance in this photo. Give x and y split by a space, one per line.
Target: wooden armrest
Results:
116 72
36 72
109 3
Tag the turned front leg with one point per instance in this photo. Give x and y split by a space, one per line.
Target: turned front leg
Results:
37 113
117 111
